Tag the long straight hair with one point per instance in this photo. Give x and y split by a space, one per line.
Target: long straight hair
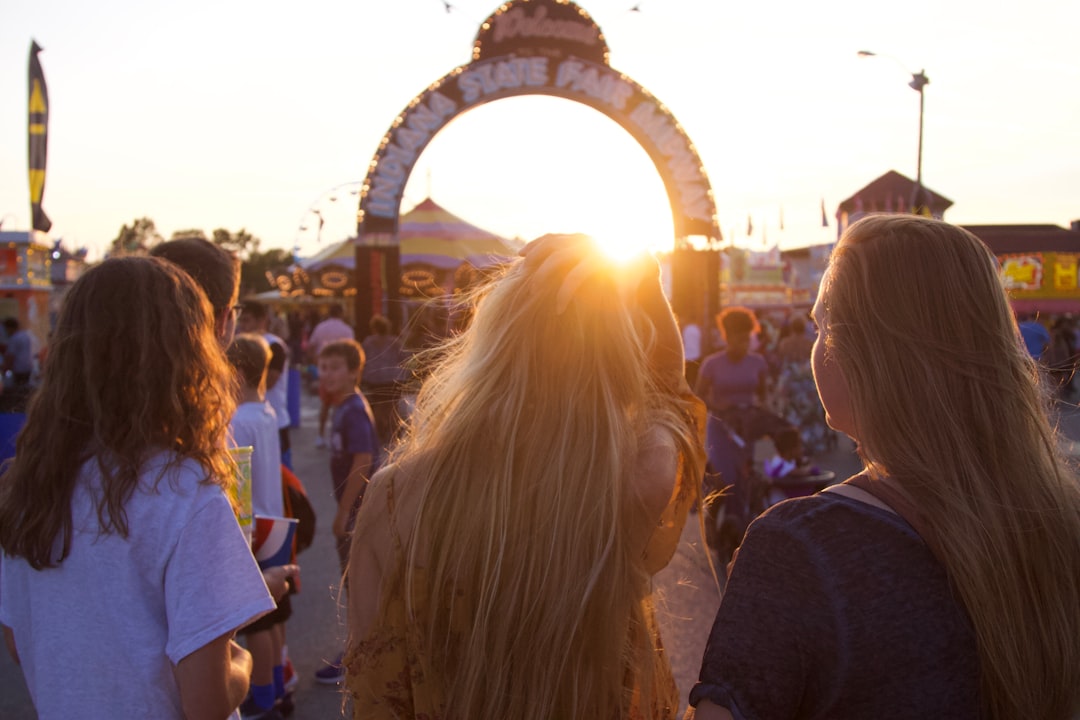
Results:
133 368
524 438
947 403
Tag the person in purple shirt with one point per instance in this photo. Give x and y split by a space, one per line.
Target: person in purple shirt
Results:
732 384
356 453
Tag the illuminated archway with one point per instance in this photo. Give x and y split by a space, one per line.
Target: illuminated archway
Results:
526 47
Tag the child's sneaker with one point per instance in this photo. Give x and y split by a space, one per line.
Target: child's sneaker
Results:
332 673
320 442
249 710
285 703
291 678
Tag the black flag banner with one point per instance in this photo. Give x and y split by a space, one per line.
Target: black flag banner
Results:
38 131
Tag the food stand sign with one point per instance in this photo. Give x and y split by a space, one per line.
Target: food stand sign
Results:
1041 275
537 47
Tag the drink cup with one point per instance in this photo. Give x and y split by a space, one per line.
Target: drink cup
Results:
241 492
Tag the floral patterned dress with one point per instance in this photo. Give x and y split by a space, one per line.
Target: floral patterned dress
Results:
796 400
389 674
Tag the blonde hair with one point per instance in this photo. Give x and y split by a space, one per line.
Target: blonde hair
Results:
946 403
525 439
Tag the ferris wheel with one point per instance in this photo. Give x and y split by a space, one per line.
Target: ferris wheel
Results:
330 219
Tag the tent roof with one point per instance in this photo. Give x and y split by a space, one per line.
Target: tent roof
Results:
432 235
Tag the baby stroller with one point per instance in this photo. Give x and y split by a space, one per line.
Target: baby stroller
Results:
731 436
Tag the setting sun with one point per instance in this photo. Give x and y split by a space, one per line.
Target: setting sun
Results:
562 168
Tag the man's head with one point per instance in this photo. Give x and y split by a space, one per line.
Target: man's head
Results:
11 325
336 311
379 325
254 317
214 270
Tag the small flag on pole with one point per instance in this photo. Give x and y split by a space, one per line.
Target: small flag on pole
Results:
919 202
824 217
781 217
38 139
749 225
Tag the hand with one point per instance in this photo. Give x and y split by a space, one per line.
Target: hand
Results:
340 526
278 578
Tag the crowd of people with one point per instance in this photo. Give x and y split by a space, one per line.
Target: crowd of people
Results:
507 489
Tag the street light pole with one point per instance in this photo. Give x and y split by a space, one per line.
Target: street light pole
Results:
918 82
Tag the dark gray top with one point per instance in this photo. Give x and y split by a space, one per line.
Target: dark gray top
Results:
837 609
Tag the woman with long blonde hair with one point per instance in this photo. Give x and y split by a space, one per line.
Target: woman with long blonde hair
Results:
943 580
501 563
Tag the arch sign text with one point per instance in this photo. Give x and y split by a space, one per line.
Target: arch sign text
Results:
536 47
525 48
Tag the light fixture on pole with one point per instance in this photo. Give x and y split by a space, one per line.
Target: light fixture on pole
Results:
918 82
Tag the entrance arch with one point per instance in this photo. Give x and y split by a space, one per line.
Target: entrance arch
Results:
526 47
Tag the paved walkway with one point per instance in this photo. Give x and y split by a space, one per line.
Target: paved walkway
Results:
688 596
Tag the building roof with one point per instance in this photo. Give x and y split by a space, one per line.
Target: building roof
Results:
1003 239
892 192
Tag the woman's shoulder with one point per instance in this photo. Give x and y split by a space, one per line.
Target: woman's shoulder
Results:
656 469
388 511
181 477
824 506
833 524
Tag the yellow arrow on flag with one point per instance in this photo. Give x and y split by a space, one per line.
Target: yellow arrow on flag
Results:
37 99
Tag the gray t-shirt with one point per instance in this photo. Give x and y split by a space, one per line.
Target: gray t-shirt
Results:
730 383
278 394
98 636
21 348
254 425
837 609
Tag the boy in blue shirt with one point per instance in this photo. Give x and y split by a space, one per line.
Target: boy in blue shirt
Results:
355 451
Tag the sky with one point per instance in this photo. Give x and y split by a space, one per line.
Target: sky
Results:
254 115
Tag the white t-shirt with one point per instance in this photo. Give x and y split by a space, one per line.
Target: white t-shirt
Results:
255 424
98 636
691 339
278 395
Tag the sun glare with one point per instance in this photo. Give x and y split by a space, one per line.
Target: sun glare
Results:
525 167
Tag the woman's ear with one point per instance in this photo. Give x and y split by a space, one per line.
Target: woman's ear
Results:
225 326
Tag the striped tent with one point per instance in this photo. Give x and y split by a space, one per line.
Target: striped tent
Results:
431 236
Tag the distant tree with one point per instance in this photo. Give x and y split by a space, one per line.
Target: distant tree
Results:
253 273
135 239
192 233
241 243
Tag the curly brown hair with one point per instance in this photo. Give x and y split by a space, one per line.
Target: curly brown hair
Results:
133 369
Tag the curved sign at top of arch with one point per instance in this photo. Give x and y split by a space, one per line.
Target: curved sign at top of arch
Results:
537 47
